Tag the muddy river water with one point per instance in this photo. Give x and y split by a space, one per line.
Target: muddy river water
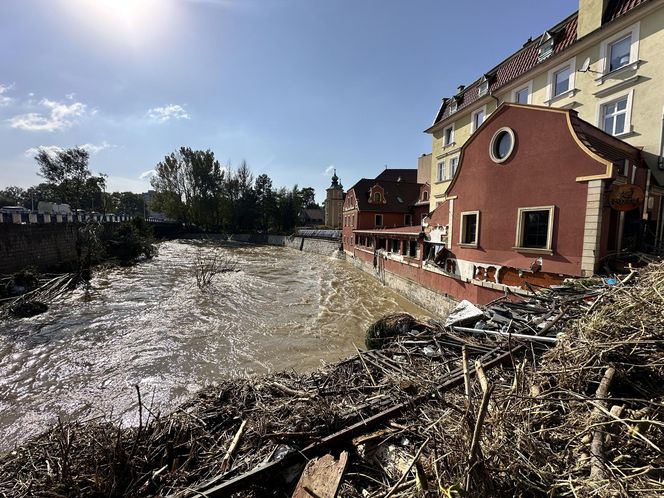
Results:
150 325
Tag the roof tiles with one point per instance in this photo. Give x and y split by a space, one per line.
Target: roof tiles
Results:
525 59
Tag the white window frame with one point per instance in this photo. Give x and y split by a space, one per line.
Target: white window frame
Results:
453 168
440 171
518 244
482 109
528 87
483 88
605 51
599 117
451 142
571 63
464 215
454 105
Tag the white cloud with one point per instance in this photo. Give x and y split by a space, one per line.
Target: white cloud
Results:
4 100
60 117
147 174
53 149
328 171
168 112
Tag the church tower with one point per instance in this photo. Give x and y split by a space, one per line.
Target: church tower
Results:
334 203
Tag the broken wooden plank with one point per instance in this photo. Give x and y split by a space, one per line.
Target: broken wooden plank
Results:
321 477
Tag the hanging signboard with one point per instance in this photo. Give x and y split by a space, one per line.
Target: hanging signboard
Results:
626 197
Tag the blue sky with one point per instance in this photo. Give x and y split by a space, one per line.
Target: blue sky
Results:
295 87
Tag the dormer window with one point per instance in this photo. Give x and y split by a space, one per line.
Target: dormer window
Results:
484 87
425 196
453 106
377 197
546 47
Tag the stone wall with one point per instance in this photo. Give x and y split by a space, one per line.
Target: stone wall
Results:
438 304
43 246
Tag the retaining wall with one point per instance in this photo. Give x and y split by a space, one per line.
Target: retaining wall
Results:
43 246
307 244
437 303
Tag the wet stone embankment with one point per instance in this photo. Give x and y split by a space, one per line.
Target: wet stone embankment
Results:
150 325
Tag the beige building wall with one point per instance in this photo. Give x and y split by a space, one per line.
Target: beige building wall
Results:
424 168
334 206
642 81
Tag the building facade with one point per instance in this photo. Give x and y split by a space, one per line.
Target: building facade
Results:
392 199
540 195
604 61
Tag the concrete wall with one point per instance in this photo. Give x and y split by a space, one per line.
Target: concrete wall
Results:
39 245
306 244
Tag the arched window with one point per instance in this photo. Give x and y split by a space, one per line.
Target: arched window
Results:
377 197
425 196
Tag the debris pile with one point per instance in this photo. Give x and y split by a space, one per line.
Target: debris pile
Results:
482 407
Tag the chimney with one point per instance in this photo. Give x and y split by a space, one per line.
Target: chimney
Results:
591 13
460 88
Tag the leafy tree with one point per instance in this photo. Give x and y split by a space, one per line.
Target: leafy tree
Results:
69 178
308 198
266 204
12 196
186 184
126 203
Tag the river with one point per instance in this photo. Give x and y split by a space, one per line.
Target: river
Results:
151 325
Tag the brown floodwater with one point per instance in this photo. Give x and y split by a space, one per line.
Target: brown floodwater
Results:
150 325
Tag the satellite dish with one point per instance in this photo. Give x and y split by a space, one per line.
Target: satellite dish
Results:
585 66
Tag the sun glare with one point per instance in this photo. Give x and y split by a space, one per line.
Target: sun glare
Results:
132 21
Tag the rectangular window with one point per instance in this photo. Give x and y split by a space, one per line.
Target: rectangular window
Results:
561 81
379 220
469 228
614 116
412 249
440 173
484 88
478 119
396 246
521 96
619 53
407 219
535 228
454 162
448 136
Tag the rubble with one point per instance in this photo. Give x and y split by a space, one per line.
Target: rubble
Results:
436 412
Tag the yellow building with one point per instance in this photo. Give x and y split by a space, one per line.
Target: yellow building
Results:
605 61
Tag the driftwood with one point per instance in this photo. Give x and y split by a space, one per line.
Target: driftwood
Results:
597 465
321 477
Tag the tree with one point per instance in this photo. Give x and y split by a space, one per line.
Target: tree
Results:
68 176
265 201
12 196
308 196
187 183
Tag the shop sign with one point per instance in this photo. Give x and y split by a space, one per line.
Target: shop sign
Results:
626 197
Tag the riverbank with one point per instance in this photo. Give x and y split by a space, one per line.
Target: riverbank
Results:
585 417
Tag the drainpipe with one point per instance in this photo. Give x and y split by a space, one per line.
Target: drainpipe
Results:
660 159
498 103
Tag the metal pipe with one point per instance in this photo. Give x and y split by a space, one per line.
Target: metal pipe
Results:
507 334
660 159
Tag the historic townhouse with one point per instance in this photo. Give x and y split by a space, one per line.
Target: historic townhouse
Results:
605 62
392 199
540 195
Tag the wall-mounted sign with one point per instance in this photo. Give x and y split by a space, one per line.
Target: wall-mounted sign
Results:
626 197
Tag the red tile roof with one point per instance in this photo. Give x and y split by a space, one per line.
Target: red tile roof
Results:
564 34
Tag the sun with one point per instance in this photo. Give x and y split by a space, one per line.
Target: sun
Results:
130 21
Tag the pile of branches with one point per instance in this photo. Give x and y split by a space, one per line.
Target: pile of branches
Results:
42 291
584 417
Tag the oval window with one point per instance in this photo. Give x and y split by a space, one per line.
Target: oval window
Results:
502 145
